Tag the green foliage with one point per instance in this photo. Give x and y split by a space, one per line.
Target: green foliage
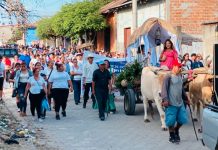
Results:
131 73
73 20
44 29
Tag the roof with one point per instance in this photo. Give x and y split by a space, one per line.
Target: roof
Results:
209 23
114 4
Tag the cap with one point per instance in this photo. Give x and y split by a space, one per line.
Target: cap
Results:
176 63
58 63
90 56
101 63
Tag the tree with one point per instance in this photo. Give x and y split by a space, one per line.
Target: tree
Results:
79 18
44 29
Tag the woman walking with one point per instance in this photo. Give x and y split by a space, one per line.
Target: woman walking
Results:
21 79
37 91
49 71
76 72
60 82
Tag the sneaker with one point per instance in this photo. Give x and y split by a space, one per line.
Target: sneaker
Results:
172 139
40 120
84 105
64 113
102 118
18 110
57 117
177 138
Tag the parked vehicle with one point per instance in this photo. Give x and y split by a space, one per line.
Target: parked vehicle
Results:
210 127
8 52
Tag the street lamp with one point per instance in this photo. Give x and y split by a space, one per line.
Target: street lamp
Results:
158 36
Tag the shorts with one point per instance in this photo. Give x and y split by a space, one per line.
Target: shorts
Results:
1 83
175 114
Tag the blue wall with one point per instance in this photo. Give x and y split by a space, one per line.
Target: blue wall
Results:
31 36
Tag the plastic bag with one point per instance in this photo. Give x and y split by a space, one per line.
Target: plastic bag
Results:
45 105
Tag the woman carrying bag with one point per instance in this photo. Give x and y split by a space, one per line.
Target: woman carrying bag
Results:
21 79
37 91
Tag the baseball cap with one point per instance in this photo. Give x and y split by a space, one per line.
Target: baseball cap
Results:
90 56
176 63
101 63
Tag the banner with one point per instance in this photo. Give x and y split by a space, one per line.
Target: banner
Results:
117 64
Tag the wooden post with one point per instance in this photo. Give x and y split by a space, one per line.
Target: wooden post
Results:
134 15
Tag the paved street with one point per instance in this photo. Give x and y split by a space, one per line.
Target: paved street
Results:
82 130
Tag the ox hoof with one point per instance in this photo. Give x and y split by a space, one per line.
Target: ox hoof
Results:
146 120
164 129
195 120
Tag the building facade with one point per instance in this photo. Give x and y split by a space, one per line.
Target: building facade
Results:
194 20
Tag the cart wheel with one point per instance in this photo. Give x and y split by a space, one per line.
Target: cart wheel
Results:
129 102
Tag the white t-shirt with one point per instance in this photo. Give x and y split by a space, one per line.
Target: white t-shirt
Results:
36 85
76 70
48 71
2 69
59 80
88 70
24 77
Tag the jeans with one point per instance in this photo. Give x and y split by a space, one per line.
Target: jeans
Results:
101 96
88 86
77 90
22 101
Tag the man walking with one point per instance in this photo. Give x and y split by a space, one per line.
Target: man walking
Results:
88 70
174 96
101 86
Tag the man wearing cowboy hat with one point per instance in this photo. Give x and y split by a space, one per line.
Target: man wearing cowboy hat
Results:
88 70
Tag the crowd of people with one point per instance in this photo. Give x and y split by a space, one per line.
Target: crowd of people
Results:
47 73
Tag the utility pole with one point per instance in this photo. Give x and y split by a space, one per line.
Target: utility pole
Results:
134 15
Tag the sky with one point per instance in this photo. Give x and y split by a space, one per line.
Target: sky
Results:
44 8
39 9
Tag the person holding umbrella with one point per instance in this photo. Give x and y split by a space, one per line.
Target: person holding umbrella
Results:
101 87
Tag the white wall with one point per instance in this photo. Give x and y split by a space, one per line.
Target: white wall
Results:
124 18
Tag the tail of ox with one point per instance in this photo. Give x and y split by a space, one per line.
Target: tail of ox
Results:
151 89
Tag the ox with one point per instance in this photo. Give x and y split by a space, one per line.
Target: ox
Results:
200 90
151 85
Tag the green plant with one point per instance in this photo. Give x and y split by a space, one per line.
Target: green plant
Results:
131 73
